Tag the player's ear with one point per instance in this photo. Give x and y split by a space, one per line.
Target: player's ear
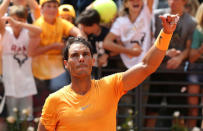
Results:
65 62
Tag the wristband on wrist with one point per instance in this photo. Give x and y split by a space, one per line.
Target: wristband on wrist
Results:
163 40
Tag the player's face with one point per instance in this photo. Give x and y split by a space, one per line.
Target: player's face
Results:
79 61
50 10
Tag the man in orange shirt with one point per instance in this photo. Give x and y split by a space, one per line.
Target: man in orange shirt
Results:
47 64
89 105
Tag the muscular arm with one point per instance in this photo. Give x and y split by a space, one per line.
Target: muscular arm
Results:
41 127
151 61
134 76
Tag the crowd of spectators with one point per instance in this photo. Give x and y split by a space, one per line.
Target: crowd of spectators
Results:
33 34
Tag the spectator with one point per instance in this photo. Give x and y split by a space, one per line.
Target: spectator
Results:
192 6
89 22
196 59
67 12
175 58
30 5
15 39
47 53
134 21
130 36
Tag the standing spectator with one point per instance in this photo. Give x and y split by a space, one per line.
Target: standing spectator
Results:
132 32
175 58
196 59
47 53
130 36
89 22
16 62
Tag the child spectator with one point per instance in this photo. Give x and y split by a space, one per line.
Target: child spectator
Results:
132 31
17 72
67 12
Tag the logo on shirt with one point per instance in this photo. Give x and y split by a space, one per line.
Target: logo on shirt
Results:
20 58
84 107
19 54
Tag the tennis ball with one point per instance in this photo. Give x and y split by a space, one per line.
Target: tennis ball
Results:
107 9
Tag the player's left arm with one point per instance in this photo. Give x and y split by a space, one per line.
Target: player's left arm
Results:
153 58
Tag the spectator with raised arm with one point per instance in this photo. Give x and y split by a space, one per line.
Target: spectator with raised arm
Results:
15 38
132 32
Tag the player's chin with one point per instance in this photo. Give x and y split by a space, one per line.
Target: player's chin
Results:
84 73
